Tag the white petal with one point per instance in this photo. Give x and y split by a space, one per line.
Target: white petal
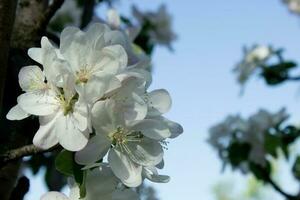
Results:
77 52
95 149
147 152
39 103
159 102
31 78
69 136
105 117
97 86
95 33
112 59
127 171
66 37
45 137
36 54
113 18
80 116
153 129
54 196
175 128
16 113
152 174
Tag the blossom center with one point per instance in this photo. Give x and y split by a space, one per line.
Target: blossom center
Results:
67 105
122 136
83 76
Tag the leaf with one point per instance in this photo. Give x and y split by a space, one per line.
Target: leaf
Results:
238 152
296 168
64 162
272 143
260 172
276 74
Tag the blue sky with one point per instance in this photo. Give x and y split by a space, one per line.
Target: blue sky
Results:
199 77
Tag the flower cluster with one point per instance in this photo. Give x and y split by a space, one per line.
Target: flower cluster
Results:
293 5
235 129
253 58
92 100
159 24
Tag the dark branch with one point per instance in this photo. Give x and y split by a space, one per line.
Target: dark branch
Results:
88 12
49 13
296 78
269 180
27 150
7 18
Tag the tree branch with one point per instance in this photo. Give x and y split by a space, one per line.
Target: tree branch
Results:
49 13
88 12
27 150
7 18
279 190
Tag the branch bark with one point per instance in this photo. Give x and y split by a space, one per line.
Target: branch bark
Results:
87 14
27 150
7 18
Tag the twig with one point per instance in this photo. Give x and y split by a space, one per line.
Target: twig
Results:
49 13
88 12
269 180
27 150
296 78
279 190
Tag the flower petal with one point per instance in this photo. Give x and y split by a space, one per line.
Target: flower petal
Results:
153 129
152 174
147 152
39 103
69 136
95 149
127 171
31 78
16 113
45 137
159 102
80 116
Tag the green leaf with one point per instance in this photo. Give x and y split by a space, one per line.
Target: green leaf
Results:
296 168
272 143
260 172
278 73
238 152
64 162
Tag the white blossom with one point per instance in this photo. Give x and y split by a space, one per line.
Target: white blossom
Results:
160 24
132 145
293 5
100 184
253 58
251 131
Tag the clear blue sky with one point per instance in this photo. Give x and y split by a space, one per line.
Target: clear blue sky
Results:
199 78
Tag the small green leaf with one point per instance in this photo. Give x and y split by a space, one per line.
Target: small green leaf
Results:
260 172
296 168
238 152
272 143
64 162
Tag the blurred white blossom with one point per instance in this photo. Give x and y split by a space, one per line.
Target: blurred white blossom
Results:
253 58
250 131
160 25
100 184
293 5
